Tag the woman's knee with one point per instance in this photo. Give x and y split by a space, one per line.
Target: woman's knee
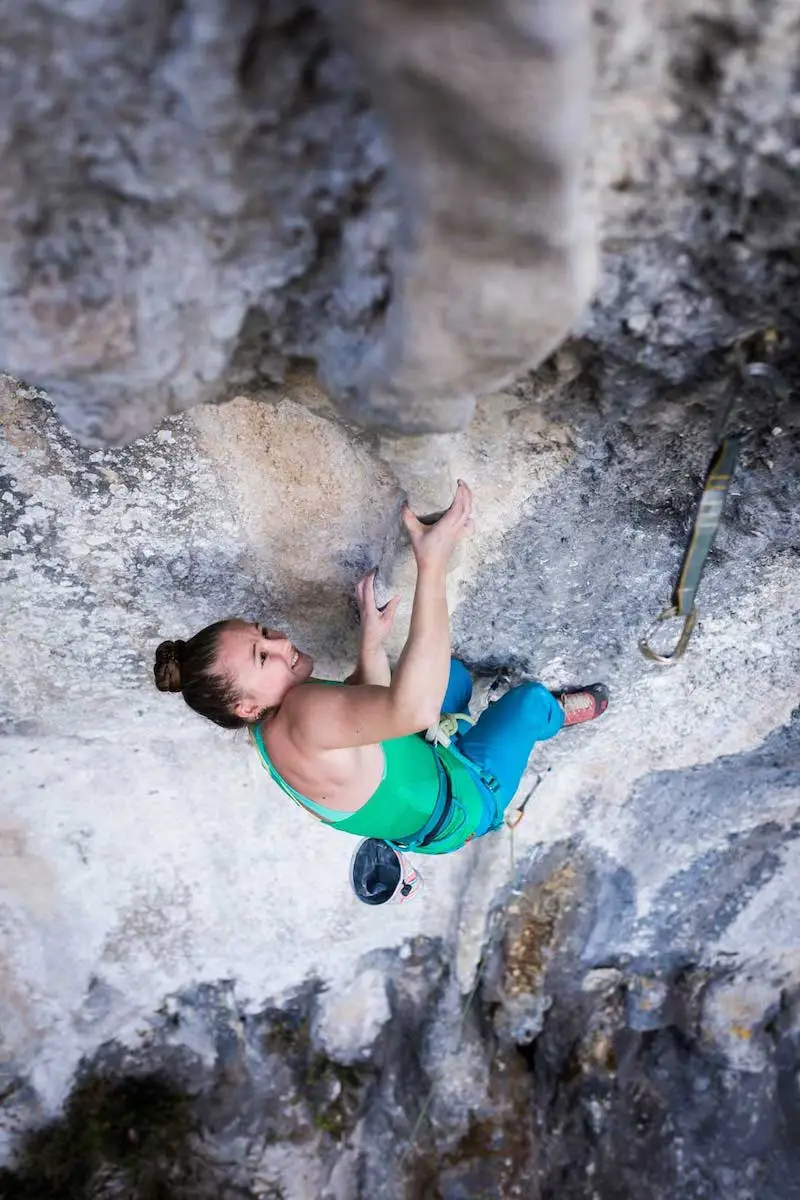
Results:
459 674
459 687
540 707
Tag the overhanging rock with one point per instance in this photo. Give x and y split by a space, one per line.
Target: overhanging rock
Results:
196 194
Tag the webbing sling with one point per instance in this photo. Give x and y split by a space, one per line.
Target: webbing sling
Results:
704 530
707 519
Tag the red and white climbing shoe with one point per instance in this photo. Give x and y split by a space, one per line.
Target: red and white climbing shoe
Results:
584 705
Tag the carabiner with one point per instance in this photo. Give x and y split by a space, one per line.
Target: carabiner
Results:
668 614
513 821
771 376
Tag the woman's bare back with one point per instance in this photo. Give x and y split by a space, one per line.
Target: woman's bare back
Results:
341 779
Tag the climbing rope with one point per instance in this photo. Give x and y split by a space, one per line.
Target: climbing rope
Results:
446 728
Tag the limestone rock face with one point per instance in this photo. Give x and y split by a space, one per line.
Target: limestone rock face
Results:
606 1002
196 193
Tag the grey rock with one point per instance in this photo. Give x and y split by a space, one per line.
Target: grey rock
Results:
487 111
602 979
350 1018
176 231
195 195
647 998
665 835
643 1074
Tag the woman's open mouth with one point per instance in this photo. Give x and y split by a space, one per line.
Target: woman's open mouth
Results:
295 658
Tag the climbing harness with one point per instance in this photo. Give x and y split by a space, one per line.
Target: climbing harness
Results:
709 512
447 807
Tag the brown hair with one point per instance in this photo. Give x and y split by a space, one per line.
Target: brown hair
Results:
190 668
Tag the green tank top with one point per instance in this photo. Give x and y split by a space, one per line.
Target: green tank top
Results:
405 798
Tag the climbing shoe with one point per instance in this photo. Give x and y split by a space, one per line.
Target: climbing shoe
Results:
583 705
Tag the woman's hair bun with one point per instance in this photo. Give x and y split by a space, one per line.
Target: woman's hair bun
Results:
167 668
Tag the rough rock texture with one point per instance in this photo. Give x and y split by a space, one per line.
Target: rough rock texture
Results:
487 109
195 193
574 1066
634 1028
181 181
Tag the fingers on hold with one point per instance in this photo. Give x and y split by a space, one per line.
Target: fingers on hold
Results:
463 497
388 609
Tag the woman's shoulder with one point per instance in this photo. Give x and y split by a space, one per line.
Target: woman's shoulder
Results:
300 697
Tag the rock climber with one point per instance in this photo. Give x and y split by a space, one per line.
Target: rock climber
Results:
355 755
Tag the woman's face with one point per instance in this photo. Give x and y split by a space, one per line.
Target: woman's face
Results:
262 663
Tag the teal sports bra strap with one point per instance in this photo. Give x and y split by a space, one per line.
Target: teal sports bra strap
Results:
328 816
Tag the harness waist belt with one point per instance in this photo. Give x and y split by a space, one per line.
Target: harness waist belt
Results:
438 819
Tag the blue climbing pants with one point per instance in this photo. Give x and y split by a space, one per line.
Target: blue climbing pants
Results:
500 742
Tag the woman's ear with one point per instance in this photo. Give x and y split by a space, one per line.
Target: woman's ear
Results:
248 710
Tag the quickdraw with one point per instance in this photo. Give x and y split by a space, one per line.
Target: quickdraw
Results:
513 820
706 521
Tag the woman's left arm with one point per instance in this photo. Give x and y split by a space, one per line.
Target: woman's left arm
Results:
372 667
373 664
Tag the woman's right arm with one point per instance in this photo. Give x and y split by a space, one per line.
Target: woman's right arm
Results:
326 718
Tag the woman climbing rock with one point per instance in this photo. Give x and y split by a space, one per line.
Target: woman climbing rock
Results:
355 755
